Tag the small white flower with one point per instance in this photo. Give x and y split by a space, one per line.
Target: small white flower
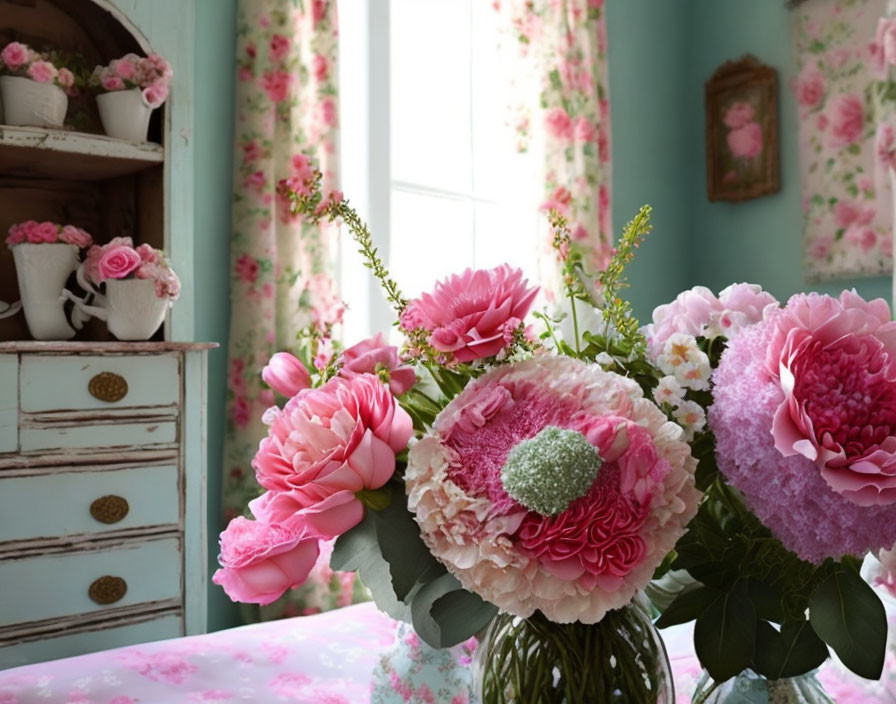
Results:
668 390
690 416
726 324
694 374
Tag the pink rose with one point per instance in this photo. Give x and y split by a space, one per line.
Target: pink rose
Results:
689 313
835 361
117 262
42 71
373 356
276 85
147 254
746 142
75 235
559 123
66 80
124 68
331 517
341 437
44 232
847 120
469 314
810 88
155 94
14 55
286 374
112 83
260 561
738 114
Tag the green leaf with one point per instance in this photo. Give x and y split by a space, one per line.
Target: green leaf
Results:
725 634
794 651
850 617
688 605
767 599
445 614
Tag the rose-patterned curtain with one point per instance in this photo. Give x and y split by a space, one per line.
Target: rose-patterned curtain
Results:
556 60
281 268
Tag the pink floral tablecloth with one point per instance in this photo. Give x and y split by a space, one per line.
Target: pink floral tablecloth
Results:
353 655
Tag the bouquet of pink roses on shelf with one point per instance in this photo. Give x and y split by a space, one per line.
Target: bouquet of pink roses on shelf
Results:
17 59
34 232
119 259
150 74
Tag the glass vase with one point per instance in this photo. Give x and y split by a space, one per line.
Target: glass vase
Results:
619 660
750 688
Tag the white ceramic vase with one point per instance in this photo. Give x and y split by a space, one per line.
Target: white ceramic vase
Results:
42 270
131 309
27 102
124 114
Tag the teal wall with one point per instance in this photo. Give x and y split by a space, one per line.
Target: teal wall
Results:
213 138
649 48
760 240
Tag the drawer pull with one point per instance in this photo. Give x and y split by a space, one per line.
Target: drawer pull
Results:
107 590
109 509
108 386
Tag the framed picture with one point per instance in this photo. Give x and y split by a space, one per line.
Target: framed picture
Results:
742 159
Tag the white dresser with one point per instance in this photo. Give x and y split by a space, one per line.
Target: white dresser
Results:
102 496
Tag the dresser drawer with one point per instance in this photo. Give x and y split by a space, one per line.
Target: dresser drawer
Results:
76 502
82 382
9 403
97 434
56 585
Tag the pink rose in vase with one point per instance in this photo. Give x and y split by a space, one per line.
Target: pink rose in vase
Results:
847 116
15 55
42 71
76 236
745 142
117 262
286 374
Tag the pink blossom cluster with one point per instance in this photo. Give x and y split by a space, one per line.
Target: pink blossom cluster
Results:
19 59
33 232
119 259
594 555
151 74
804 416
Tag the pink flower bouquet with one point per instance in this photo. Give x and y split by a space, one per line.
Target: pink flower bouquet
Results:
151 75
119 259
33 232
474 476
17 59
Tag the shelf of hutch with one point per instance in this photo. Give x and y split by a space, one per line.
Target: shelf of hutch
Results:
34 152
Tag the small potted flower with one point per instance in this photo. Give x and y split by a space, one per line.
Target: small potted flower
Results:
139 287
45 254
34 91
134 86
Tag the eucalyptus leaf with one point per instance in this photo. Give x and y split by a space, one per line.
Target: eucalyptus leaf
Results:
688 605
847 614
725 633
444 613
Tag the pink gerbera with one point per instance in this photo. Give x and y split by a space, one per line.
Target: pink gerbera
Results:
474 314
552 485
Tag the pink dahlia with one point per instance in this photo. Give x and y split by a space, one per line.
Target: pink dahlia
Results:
835 362
329 443
552 485
788 492
474 314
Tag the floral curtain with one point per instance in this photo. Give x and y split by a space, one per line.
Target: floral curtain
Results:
281 268
846 196
556 56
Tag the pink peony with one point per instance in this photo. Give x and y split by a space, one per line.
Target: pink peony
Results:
787 493
42 71
746 142
341 437
810 88
472 315
738 114
117 262
689 313
576 563
559 123
374 356
847 120
260 561
75 235
286 374
15 55
835 362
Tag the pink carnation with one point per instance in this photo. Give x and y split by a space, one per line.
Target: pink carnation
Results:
15 55
331 442
835 362
470 315
374 356
260 561
588 558
787 493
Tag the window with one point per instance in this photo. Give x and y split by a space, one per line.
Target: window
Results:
425 148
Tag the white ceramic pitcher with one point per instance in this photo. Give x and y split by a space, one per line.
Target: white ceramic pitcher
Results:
130 308
125 114
42 270
27 102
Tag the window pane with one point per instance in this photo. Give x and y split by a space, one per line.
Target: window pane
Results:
430 92
432 237
505 235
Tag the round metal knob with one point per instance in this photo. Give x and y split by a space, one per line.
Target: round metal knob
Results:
107 590
108 386
109 509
